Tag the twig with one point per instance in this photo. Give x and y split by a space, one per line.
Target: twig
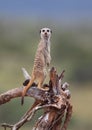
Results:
62 75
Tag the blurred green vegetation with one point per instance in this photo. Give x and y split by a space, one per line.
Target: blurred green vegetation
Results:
71 49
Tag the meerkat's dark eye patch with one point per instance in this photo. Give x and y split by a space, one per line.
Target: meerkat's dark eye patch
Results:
43 30
48 30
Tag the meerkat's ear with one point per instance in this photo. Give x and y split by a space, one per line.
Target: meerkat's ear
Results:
51 31
40 31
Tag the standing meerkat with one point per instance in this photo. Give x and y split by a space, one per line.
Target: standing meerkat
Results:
41 61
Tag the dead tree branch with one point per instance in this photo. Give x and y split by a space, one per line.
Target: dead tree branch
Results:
55 102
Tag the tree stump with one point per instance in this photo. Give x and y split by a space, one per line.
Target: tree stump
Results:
55 102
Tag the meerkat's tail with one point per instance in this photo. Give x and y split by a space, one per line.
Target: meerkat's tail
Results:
25 89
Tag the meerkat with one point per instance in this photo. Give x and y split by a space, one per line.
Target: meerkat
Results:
41 61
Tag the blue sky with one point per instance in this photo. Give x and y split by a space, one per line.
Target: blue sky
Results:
52 9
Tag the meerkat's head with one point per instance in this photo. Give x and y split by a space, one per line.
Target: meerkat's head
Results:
45 33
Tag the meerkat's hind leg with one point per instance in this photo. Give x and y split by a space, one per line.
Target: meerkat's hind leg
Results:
26 88
40 83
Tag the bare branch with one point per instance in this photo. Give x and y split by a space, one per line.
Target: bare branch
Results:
62 75
7 96
25 74
17 92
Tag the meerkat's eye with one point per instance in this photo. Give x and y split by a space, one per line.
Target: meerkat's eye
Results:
43 30
48 30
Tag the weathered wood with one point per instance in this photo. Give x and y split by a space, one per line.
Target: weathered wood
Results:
17 92
55 103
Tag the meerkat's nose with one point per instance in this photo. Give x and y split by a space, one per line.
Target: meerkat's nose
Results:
45 33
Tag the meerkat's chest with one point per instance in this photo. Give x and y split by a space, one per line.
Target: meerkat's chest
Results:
48 47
